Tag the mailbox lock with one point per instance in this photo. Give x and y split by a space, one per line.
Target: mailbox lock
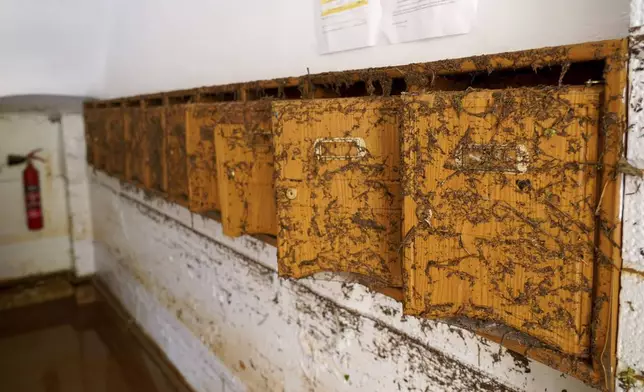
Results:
291 193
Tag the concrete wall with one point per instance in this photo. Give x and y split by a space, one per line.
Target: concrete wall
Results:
631 331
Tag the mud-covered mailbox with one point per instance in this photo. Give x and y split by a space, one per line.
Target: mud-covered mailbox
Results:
245 171
92 123
115 142
99 119
339 200
176 121
499 209
136 142
203 194
154 128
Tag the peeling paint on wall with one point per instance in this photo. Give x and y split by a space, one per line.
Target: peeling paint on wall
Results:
630 352
261 332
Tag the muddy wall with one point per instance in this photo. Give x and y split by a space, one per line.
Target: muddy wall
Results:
216 306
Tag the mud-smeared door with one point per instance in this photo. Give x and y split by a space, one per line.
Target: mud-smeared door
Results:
136 151
115 142
156 144
499 209
244 146
176 157
338 191
202 170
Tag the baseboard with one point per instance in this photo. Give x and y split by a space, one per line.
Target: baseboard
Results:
35 289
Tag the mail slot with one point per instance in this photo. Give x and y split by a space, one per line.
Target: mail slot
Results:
338 193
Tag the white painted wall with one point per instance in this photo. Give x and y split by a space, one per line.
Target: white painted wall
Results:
53 47
159 45
65 243
109 48
24 252
76 174
216 306
631 330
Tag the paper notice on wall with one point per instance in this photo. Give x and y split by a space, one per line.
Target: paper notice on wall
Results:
347 24
410 20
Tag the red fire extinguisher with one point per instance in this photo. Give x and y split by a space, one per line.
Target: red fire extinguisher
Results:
31 183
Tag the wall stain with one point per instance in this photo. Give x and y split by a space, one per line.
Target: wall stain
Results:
391 343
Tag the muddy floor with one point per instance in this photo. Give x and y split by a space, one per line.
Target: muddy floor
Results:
61 346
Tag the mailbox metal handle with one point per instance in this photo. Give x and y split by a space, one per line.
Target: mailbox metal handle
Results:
318 148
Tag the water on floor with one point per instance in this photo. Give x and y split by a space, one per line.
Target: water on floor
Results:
62 347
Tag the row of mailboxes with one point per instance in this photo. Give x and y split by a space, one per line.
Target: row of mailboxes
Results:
478 204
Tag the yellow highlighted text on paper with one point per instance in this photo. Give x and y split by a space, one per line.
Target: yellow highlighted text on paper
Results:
342 8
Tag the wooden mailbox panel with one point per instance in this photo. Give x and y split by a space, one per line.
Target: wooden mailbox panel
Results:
499 209
156 143
176 121
115 142
99 137
92 122
338 190
200 147
136 156
244 146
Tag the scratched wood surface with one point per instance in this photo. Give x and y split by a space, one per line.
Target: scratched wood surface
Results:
176 120
92 122
339 200
99 136
155 145
244 149
136 152
203 194
499 209
115 142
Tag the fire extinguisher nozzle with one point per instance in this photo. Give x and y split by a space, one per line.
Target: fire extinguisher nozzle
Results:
13 160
